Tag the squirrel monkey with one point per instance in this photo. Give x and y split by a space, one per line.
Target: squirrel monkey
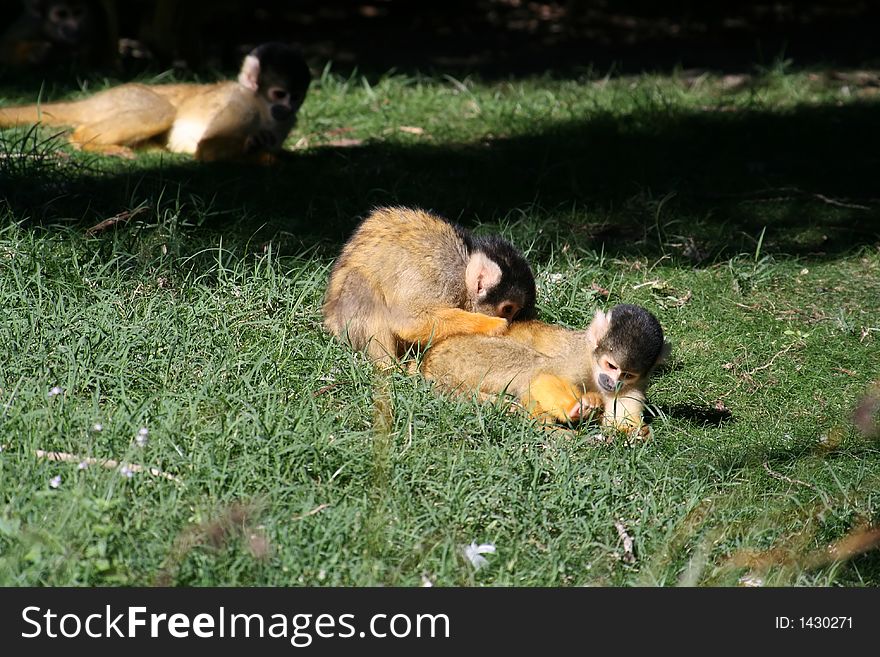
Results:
558 373
221 121
56 32
407 277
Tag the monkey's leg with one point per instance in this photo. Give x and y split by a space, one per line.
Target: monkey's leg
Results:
382 349
441 323
114 135
624 413
555 398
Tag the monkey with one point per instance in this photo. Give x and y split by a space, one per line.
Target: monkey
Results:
407 277
236 119
57 32
557 373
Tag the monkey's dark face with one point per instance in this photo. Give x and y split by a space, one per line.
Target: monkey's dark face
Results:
67 22
610 377
279 75
283 103
512 294
629 344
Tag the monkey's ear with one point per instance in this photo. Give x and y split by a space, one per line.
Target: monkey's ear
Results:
599 326
249 77
664 353
481 275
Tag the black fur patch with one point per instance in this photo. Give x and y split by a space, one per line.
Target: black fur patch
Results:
634 338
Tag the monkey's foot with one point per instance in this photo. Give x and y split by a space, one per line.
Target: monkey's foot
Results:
110 150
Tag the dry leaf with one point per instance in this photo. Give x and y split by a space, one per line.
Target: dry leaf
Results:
628 556
600 291
344 143
411 129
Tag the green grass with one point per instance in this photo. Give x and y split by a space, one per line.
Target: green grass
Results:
745 218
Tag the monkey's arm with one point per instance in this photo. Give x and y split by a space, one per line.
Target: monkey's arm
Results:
440 323
551 396
24 53
232 120
625 412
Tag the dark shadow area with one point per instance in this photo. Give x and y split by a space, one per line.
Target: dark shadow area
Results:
809 175
500 38
701 415
773 460
491 38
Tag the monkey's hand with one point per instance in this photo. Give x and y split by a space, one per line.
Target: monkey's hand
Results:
32 53
633 430
624 414
643 432
264 140
587 407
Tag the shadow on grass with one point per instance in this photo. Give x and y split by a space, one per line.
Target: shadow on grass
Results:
644 183
775 459
700 415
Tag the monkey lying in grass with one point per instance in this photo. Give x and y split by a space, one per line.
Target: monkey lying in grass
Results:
244 119
557 373
407 277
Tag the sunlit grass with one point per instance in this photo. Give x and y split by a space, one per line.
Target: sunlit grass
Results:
705 199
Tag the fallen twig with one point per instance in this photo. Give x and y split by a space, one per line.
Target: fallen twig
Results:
314 511
122 217
775 356
777 475
628 556
110 464
786 194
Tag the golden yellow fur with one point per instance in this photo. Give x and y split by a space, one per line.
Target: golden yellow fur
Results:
400 280
551 370
220 121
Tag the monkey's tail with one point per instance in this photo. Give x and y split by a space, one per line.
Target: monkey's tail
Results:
49 114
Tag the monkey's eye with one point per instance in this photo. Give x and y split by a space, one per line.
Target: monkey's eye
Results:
508 310
277 93
611 366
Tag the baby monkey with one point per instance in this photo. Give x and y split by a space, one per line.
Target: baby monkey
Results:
407 277
557 373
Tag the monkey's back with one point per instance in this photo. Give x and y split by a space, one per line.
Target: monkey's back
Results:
481 363
510 361
404 256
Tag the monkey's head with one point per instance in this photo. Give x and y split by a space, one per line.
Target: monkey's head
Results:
278 73
499 280
66 22
628 345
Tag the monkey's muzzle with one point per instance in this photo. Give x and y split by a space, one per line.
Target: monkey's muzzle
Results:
281 113
607 383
